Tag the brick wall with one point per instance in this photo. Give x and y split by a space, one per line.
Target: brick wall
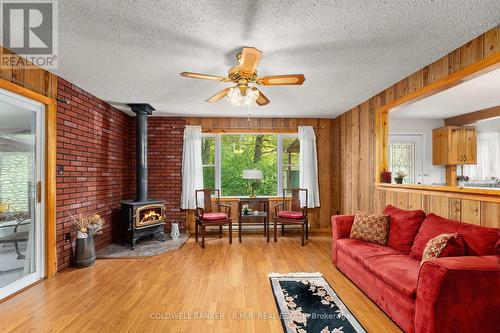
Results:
96 146
93 145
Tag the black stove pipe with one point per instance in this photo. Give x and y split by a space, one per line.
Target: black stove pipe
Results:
142 111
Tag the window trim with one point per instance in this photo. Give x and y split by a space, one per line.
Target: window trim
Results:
279 164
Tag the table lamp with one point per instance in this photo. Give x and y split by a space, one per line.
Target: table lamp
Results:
253 176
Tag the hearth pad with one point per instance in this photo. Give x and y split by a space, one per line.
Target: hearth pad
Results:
147 247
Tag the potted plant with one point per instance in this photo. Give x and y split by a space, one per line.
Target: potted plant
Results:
86 227
400 175
461 180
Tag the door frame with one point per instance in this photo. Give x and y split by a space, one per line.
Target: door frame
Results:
50 155
37 216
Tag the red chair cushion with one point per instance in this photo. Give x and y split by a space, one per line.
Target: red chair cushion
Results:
479 241
214 216
290 215
404 227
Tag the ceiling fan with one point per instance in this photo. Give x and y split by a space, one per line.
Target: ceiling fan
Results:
244 73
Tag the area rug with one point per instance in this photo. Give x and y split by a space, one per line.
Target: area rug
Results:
307 303
143 248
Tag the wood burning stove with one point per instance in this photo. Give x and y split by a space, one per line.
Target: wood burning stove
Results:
143 216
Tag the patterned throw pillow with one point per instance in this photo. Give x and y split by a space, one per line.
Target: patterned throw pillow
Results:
444 245
371 228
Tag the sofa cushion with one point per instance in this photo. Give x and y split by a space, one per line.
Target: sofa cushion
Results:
214 216
290 214
478 240
399 271
444 245
371 228
404 226
360 250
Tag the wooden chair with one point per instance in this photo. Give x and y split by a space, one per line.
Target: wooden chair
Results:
296 216
206 217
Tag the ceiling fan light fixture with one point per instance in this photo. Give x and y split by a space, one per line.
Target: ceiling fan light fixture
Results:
242 95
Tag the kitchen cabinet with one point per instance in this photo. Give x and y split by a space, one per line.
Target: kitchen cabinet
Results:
454 145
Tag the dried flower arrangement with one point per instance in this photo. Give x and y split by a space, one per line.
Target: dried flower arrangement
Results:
88 225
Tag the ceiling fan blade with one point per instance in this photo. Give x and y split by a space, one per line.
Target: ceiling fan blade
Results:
202 76
250 57
217 97
262 99
281 80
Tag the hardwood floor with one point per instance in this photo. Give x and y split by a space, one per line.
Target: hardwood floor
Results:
124 295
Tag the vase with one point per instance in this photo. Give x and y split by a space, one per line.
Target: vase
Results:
398 180
84 251
174 232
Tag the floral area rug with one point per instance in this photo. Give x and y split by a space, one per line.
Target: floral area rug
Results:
307 303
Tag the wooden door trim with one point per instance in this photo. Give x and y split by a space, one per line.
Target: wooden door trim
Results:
486 65
50 127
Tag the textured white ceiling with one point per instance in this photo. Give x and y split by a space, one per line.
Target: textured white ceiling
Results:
133 51
477 94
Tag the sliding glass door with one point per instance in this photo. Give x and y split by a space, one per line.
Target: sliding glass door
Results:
21 204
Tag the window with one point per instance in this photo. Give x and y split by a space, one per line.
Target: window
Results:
405 154
225 156
290 158
208 160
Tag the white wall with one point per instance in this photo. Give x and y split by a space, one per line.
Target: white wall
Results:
431 173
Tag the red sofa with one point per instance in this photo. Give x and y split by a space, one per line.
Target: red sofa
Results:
450 294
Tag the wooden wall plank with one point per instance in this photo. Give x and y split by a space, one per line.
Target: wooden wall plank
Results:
438 69
414 201
349 207
402 200
491 43
355 157
390 198
470 212
364 150
343 169
455 209
471 52
439 205
380 201
490 214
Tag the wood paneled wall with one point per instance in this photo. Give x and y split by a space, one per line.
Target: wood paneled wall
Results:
319 217
354 131
34 79
466 208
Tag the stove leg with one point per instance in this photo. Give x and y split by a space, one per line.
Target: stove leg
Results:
134 240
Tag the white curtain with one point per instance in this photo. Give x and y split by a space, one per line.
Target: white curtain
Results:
308 161
192 169
488 157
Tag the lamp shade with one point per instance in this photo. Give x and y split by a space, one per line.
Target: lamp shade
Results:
252 174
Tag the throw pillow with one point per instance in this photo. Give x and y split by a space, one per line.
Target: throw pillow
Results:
404 226
371 228
444 245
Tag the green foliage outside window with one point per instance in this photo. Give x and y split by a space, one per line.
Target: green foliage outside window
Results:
250 151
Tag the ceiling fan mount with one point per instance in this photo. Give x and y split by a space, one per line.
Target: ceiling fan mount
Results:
242 74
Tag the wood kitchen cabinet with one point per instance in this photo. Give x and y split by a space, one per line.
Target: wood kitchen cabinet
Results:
454 145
